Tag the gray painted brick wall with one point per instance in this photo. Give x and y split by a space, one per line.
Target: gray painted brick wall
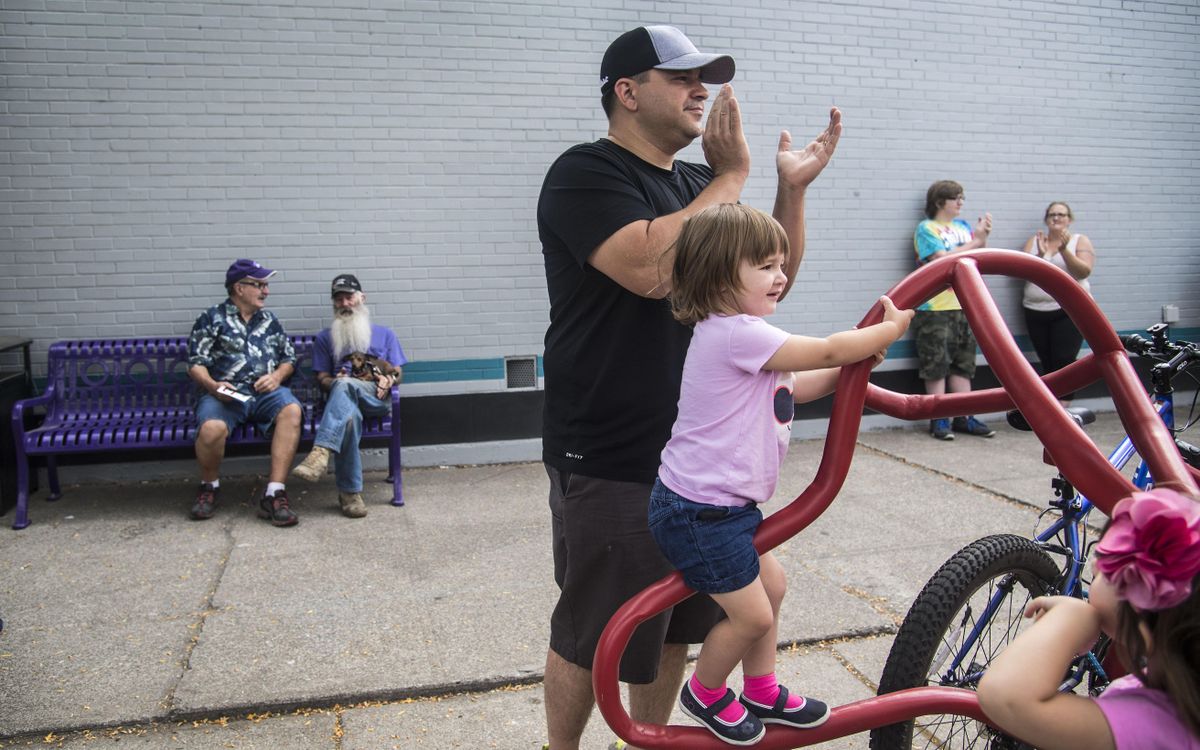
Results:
147 144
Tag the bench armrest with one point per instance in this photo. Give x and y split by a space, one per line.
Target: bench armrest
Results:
18 414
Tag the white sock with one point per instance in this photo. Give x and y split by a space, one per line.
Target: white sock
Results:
215 483
273 487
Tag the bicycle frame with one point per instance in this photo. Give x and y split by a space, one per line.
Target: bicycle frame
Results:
1075 513
1075 510
1075 455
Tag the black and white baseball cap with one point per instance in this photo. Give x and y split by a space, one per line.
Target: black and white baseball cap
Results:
662 47
345 283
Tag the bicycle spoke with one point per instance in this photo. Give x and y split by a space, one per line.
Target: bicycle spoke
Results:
1003 627
953 732
968 612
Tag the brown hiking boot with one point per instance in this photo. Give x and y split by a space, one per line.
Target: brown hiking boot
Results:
352 504
312 468
277 509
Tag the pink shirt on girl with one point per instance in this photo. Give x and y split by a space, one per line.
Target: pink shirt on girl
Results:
735 419
1143 718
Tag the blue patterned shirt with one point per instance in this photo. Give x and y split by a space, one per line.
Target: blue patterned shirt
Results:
236 351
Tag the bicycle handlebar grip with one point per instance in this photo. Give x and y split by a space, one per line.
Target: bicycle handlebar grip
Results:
1136 344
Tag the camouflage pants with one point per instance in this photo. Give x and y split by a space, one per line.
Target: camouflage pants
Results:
945 344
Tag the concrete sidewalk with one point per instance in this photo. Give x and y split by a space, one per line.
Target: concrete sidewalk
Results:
425 626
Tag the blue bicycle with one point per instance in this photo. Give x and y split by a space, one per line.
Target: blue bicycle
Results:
974 605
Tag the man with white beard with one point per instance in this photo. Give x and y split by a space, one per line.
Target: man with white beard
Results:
350 398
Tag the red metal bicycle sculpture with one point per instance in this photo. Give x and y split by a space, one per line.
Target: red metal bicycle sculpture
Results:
1064 441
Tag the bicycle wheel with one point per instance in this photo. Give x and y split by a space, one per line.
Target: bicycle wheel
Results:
932 645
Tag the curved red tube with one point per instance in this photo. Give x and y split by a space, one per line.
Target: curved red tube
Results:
1074 454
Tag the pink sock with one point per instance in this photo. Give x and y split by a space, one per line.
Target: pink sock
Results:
765 690
732 713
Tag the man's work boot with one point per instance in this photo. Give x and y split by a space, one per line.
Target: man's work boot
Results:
352 504
313 466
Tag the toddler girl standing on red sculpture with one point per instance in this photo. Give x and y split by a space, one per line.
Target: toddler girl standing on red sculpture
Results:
741 380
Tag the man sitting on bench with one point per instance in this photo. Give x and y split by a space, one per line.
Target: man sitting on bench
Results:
239 354
357 362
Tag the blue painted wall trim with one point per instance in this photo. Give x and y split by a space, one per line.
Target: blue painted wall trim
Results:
456 370
452 370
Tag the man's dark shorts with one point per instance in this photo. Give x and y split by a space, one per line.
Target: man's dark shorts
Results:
603 555
945 344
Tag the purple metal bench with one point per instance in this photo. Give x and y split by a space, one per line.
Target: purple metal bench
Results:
121 395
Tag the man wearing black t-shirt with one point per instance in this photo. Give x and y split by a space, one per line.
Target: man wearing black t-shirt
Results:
607 216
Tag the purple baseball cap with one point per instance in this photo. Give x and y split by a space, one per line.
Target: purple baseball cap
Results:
243 268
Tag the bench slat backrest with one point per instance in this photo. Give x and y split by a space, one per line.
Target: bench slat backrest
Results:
114 378
106 379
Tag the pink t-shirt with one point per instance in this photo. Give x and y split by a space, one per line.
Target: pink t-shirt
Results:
735 418
1142 718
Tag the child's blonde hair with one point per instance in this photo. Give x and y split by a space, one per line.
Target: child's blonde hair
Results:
709 251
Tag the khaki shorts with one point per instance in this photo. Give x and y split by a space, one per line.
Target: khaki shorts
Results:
945 344
603 555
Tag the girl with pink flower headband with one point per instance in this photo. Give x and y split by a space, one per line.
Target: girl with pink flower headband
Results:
1144 595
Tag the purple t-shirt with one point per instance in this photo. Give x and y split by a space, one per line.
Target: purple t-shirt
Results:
735 419
384 345
1143 718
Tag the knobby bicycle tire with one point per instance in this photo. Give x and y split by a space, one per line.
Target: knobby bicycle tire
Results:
934 627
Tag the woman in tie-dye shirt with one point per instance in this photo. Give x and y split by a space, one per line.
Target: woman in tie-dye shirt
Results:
945 344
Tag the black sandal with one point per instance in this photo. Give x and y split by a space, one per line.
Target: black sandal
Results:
746 732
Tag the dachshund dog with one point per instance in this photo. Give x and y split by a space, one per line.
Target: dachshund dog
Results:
365 367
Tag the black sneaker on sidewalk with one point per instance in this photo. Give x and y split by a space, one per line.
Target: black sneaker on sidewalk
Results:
277 509
971 426
206 502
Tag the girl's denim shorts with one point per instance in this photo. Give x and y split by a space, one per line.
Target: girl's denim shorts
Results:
712 545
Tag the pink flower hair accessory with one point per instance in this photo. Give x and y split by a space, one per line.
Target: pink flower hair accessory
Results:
1151 551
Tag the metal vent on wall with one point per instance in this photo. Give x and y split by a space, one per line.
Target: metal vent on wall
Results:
520 372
